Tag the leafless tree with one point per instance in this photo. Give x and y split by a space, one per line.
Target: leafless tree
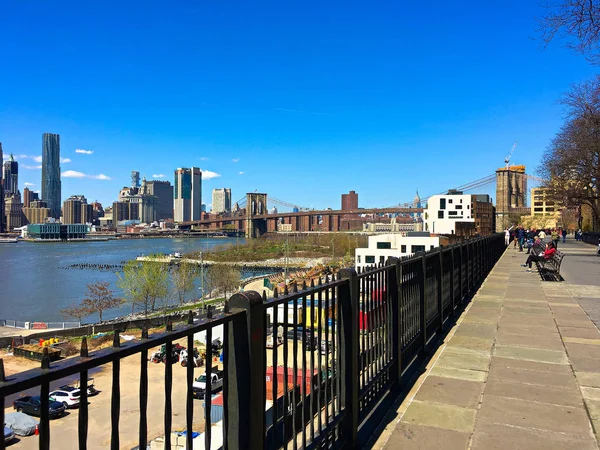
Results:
576 21
572 161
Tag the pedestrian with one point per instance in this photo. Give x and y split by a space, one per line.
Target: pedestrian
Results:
542 235
578 233
554 237
507 236
521 237
564 234
513 237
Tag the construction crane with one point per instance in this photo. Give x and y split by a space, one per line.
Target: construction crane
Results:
507 159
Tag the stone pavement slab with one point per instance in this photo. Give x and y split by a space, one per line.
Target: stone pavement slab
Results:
520 370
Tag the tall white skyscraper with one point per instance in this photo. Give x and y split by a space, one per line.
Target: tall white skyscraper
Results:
221 200
187 194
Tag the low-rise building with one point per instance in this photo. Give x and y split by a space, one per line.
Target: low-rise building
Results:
444 212
55 231
394 226
383 246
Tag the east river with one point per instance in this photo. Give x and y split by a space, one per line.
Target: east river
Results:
35 286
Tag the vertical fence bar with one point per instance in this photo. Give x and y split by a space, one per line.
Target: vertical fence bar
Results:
452 283
348 302
82 426
44 415
440 287
423 303
395 320
304 370
168 413
189 378
246 396
115 401
208 391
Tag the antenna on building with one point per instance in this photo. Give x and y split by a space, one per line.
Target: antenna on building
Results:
512 150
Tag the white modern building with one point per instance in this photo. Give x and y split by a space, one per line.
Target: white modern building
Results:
443 212
221 200
383 246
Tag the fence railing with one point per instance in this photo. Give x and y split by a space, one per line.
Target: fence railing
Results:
591 238
38 325
309 368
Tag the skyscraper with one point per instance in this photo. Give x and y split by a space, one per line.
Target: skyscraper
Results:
221 200
163 191
188 194
51 191
10 177
135 179
349 201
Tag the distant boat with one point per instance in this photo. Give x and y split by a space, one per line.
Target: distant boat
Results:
8 240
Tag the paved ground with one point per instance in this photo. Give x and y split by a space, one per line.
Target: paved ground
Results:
521 370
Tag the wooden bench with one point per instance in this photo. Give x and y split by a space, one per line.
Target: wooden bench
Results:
549 269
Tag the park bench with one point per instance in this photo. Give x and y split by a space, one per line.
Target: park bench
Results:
549 269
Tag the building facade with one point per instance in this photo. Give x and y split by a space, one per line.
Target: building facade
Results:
511 193
55 231
484 214
384 246
349 201
163 191
10 177
72 211
188 194
36 215
135 179
13 211
449 214
51 186
2 219
221 200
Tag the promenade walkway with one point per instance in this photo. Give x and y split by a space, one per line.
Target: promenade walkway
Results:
520 370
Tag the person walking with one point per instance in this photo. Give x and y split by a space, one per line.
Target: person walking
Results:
564 234
554 237
521 237
542 235
507 236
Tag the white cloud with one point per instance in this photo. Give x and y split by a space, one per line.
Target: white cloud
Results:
72 174
209 175
28 184
37 159
25 166
84 152
236 160
203 158
241 173
158 175
65 160
75 174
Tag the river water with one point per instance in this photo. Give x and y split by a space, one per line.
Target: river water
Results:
34 286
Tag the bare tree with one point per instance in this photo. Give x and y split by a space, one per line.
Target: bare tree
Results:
100 298
184 275
572 161
75 312
576 21
223 278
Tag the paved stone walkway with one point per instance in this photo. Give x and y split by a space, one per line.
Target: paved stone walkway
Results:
521 370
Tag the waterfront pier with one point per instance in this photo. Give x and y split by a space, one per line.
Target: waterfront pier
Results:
520 370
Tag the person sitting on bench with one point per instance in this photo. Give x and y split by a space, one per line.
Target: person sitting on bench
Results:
547 255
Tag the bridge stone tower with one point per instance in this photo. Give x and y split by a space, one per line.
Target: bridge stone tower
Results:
256 205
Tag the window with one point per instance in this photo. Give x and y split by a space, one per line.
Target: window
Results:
442 203
417 248
458 207
369 260
431 247
449 201
452 213
382 260
468 206
358 259
461 200
440 214
403 249
384 245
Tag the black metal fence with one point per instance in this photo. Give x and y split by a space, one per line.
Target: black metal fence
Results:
309 368
591 238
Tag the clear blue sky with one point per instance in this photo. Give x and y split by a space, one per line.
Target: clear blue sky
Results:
311 98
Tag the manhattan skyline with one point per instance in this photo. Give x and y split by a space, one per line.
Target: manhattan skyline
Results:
270 97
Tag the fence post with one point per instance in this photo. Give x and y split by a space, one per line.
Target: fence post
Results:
349 348
440 290
452 286
244 389
423 301
394 281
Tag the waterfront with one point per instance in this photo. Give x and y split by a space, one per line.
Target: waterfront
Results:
34 285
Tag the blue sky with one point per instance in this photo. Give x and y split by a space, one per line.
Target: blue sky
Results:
302 100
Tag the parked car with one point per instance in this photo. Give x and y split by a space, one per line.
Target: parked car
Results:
69 398
21 423
298 333
32 406
9 435
216 383
91 390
